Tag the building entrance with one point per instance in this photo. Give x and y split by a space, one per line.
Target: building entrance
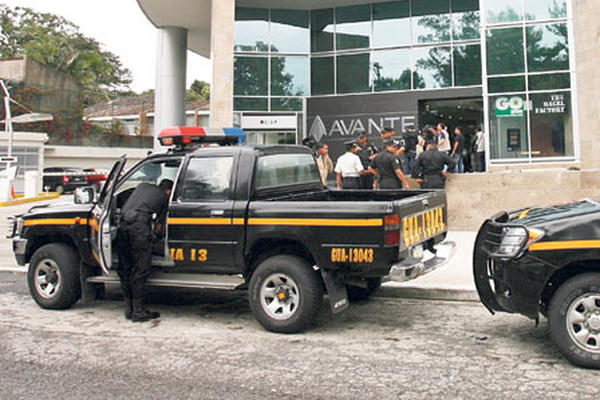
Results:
464 113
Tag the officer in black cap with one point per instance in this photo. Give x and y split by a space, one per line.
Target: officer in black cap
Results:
388 167
134 244
366 154
431 167
348 167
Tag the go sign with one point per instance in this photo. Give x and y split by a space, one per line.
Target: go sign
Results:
509 107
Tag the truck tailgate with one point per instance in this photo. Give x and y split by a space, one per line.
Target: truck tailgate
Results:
422 217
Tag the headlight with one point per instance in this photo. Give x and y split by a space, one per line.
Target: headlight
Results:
513 240
11 227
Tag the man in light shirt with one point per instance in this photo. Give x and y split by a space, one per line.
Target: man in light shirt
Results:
323 161
349 168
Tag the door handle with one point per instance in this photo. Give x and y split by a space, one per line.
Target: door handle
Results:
217 213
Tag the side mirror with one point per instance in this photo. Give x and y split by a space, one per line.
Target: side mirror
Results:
84 195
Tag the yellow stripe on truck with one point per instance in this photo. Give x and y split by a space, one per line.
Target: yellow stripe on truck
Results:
315 222
55 221
199 221
565 245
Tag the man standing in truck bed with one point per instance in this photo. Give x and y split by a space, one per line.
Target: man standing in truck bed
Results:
134 244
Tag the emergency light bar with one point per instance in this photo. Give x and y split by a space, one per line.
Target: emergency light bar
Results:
182 136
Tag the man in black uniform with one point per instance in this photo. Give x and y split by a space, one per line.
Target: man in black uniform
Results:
411 141
134 244
366 154
429 167
387 166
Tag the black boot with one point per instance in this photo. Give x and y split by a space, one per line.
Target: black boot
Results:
140 313
128 307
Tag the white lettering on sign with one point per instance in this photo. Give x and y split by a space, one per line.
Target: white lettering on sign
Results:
554 105
352 127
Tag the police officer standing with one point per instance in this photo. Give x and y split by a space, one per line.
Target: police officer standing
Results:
429 169
134 244
348 167
366 154
388 167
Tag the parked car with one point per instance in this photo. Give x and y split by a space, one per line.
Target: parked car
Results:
63 180
544 260
95 177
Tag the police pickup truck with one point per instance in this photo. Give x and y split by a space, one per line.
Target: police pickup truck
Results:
240 217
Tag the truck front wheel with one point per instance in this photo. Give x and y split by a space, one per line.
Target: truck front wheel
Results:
53 276
285 294
574 320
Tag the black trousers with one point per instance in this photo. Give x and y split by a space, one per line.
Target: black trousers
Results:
351 183
391 182
134 249
433 182
366 181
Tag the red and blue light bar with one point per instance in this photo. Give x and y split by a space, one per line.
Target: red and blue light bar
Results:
188 135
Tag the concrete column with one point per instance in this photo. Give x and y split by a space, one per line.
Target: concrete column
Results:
221 49
171 62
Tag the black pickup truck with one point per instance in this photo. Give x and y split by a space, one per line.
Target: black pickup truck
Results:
240 217
546 260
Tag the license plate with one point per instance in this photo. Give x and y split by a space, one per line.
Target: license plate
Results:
419 227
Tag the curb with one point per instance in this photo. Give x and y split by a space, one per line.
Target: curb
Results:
41 197
427 292
14 270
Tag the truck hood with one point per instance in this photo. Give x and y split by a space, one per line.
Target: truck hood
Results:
62 209
542 215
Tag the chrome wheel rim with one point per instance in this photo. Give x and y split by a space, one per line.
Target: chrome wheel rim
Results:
583 322
279 296
47 278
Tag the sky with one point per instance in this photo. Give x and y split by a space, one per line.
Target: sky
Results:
122 27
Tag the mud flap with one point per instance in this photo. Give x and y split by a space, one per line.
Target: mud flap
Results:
89 291
336 291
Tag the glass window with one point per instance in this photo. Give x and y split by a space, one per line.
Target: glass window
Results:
249 104
545 9
289 31
251 29
465 19
321 30
549 81
391 23
467 65
353 73
353 27
432 67
551 125
321 75
286 104
503 11
506 84
207 179
547 48
391 70
289 76
431 21
286 169
151 172
250 76
508 127
505 51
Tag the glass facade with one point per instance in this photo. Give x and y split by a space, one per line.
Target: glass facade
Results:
517 51
528 81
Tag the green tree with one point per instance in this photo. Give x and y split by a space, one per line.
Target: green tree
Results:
198 91
56 42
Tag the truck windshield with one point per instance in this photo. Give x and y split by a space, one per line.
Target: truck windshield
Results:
286 169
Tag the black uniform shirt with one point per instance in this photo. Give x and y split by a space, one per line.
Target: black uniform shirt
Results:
432 162
148 199
386 164
460 139
365 154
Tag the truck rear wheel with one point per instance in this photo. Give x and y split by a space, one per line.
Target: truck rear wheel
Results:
285 294
574 320
53 276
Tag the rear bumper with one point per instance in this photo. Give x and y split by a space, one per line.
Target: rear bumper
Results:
412 268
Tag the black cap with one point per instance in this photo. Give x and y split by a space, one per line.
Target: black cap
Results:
351 143
387 129
390 142
431 141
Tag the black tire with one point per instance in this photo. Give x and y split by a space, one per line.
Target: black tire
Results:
357 293
568 315
297 281
58 263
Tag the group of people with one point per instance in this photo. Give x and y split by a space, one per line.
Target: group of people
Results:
428 157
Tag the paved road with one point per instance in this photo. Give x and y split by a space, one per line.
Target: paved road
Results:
207 345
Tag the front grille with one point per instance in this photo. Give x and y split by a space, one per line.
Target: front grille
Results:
493 237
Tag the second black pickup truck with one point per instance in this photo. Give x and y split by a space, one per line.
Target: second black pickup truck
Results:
240 217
